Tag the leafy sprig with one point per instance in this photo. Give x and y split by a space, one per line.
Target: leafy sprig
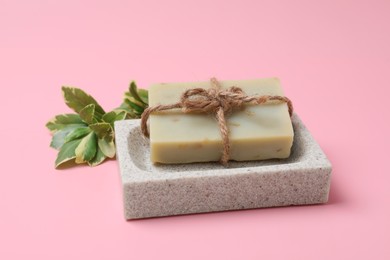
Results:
87 136
135 101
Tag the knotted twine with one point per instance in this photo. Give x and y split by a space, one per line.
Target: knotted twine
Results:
216 101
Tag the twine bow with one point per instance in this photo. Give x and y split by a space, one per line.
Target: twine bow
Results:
217 101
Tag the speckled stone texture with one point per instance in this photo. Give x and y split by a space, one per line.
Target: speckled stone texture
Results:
164 190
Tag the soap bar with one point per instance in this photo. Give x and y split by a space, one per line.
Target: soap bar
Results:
256 132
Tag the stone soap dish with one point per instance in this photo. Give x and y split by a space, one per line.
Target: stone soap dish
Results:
163 190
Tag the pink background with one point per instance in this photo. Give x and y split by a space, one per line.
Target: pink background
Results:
333 58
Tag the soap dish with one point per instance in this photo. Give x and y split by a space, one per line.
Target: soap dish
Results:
151 190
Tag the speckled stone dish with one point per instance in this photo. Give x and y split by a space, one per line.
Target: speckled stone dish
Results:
163 190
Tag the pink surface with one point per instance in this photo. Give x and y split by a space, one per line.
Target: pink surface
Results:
333 58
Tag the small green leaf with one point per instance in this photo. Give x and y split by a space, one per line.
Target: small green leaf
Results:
109 117
59 138
132 103
120 116
103 131
77 134
98 159
113 116
67 152
128 96
143 93
86 150
133 91
125 108
77 99
87 113
60 121
107 147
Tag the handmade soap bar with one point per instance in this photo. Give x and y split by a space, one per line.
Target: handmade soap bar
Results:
256 132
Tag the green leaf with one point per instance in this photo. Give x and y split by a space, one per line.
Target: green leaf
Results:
135 101
67 152
77 99
133 91
143 93
86 150
128 97
77 134
109 117
113 116
120 116
103 131
87 113
98 159
59 138
60 121
107 147
132 103
125 108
